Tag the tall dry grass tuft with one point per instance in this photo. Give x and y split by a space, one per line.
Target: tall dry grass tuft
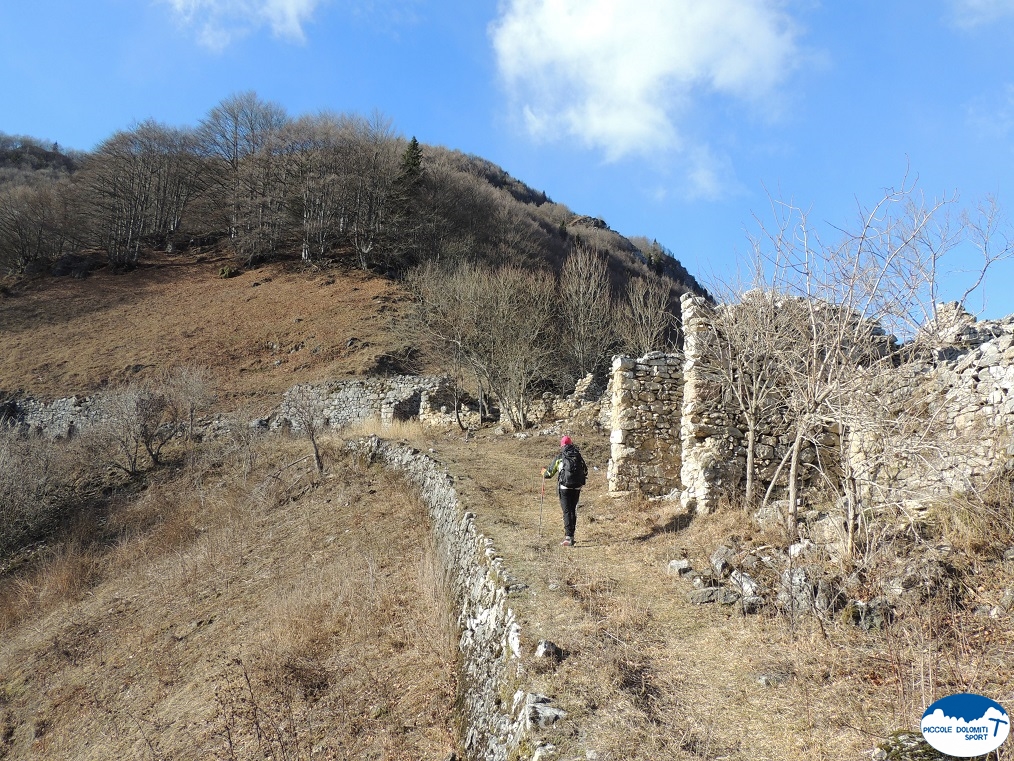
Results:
409 430
977 523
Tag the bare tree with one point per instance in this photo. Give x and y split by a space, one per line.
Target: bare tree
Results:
849 300
498 323
31 223
243 135
744 347
305 405
588 314
140 183
143 417
646 316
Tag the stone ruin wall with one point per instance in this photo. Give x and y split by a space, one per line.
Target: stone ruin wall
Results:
56 419
403 397
645 399
969 384
685 436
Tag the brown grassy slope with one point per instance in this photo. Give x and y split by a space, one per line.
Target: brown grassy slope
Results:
243 613
260 332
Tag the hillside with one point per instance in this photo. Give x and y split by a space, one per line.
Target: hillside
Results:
235 604
260 332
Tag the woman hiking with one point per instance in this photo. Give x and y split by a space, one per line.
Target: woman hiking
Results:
573 473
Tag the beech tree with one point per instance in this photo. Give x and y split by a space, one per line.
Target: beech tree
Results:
242 134
139 185
32 223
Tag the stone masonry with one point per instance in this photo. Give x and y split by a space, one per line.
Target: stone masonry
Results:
497 714
675 430
646 397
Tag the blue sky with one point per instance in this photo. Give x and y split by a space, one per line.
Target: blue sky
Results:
674 119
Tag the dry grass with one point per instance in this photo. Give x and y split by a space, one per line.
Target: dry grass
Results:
237 615
259 333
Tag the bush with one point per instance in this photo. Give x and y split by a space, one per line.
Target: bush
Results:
32 477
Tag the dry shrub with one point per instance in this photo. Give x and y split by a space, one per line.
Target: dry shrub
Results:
979 522
34 479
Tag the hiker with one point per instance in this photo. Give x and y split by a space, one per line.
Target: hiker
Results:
573 473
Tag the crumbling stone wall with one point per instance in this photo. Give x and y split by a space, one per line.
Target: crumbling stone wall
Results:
56 419
968 381
347 402
496 713
709 439
967 384
645 409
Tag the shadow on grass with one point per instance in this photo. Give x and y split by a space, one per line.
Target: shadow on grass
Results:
676 523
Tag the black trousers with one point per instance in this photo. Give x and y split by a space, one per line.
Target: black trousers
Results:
568 502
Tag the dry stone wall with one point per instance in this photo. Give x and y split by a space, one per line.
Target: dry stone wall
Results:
496 713
968 385
55 419
344 403
675 428
645 408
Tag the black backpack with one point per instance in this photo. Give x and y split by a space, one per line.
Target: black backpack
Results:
573 471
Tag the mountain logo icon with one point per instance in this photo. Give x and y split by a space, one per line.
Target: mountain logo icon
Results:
965 725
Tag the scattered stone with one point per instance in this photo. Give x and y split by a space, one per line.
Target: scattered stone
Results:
707 595
721 560
1007 601
770 517
907 746
800 548
540 714
680 567
544 751
797 590
875 615
776 678
752 604
744 583
549 651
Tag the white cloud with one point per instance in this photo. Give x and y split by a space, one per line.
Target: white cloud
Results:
623 76
219 22
969 13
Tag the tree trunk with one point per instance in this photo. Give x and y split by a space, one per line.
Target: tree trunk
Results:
797 446
751 442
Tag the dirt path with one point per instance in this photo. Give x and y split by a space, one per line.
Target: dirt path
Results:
649 675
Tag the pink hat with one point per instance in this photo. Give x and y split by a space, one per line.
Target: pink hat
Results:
565 441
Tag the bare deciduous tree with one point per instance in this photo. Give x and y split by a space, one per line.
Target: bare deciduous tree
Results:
646 318
588 314
848 301
498 323
306 406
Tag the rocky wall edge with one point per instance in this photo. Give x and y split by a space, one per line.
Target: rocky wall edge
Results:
495 712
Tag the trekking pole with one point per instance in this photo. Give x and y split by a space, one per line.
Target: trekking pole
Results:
541 503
